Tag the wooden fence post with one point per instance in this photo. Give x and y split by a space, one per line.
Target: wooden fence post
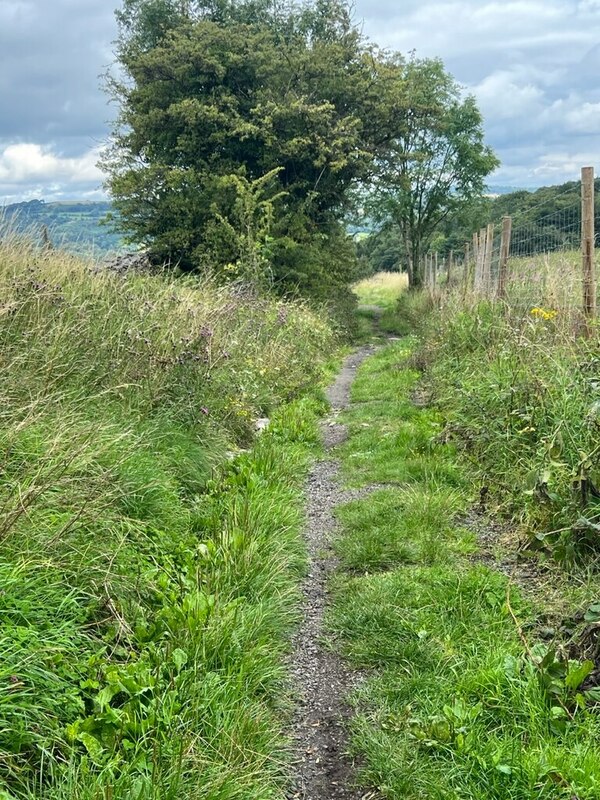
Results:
467 271
429 261
487 263
479 264
587 242
504 254
450 269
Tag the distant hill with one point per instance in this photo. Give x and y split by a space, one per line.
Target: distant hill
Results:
548 218
494 191
75 225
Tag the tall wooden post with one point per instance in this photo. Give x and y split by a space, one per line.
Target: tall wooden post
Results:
587 242
467 270
479 264
450 268
487 264
504 254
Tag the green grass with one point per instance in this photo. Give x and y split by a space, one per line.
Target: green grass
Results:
454 706
402 526
382 289
378 298
390 440
150 543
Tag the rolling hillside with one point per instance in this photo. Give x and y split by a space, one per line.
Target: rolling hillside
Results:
73 225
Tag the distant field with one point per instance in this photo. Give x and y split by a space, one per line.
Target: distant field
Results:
382 289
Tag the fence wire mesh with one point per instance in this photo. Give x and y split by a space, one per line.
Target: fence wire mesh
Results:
542 267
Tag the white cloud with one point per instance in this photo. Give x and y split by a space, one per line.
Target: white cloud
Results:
501 96
456 28
24 163
585 118
533 66
29 170
563 166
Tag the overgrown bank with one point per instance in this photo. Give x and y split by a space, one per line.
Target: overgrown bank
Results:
150 545
519 392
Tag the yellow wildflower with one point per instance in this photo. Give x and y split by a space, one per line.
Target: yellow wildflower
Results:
543 313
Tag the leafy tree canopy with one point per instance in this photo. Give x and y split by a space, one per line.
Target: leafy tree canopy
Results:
245 89
437 162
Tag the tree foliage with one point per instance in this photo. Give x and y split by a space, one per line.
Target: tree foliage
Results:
437 161
217 96
278 112
380 251
545 219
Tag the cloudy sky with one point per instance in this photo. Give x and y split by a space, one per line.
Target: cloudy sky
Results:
534 66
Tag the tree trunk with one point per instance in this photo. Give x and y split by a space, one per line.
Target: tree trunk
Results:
413 263
418 278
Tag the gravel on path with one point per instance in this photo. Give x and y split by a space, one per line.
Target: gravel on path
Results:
323 770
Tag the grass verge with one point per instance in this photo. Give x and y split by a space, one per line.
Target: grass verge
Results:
465 698
150 543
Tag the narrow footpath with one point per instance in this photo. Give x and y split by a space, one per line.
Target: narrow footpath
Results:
323 770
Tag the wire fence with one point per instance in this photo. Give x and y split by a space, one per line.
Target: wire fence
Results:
540 260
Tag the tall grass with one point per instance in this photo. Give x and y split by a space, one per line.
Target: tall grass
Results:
548 280
147 561
517 382
381 290
378 296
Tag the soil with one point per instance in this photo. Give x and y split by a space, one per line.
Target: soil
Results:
499 550
323 768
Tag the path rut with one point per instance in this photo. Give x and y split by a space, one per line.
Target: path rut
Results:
323 770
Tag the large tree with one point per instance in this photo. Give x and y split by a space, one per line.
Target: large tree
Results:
435 165
216 95
245 125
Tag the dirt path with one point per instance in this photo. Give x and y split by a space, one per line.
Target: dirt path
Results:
323 770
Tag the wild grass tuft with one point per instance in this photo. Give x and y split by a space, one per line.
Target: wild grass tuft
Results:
402 526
